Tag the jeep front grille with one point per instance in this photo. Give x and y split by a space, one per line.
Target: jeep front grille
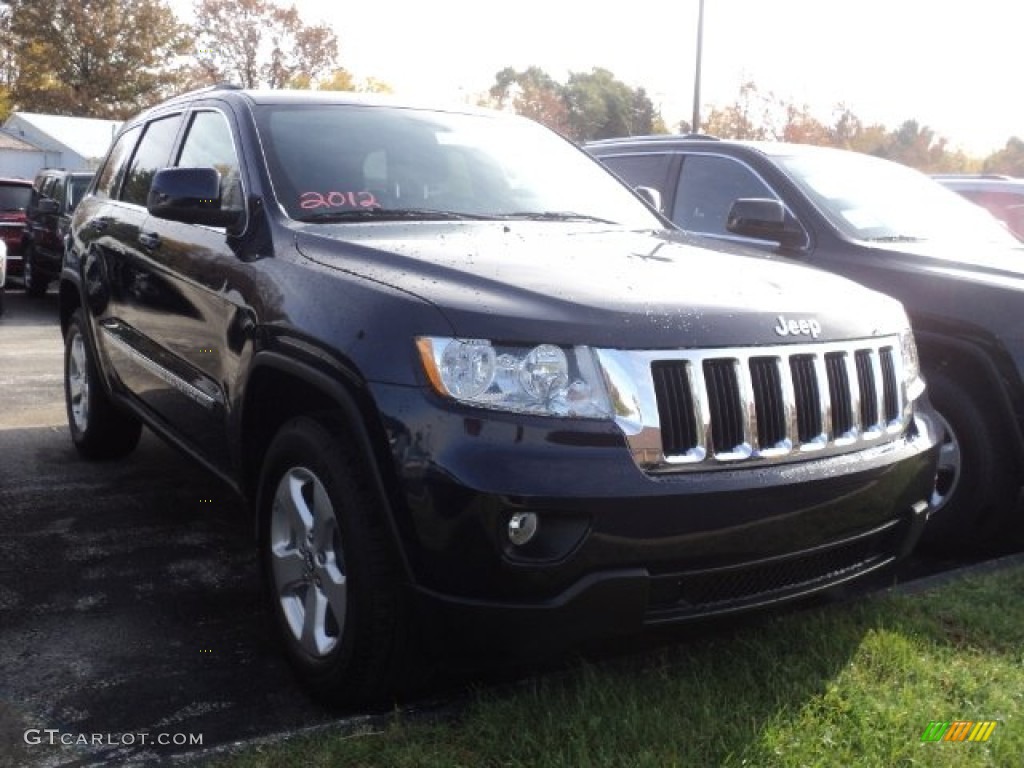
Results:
711 408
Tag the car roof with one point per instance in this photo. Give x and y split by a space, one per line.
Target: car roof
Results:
306 97
703 141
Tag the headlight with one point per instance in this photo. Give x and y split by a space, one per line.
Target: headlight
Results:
544 379
911 365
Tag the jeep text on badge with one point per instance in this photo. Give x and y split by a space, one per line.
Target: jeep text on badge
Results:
796 327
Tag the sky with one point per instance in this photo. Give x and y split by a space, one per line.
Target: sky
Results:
947 65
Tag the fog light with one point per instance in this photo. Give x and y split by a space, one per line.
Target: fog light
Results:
521 527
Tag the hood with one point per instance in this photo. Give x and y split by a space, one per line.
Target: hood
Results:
989 262
581 284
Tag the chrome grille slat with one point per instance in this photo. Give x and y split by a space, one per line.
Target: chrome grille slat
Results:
721 407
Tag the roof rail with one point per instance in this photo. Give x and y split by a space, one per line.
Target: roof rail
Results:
657 137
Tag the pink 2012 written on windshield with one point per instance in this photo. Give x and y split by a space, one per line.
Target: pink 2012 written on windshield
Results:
310 200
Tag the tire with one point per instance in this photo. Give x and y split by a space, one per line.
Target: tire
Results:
331 574
35 282
98 429
975 490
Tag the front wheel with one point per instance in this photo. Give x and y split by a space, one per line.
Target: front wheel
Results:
975 488
331 573
98 429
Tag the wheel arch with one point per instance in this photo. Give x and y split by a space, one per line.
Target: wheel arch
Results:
69 301
279 388
952 355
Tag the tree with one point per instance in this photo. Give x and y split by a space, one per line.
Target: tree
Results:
258 43
102 58
534 94
751 116
340 79
1008 160
592 105
801 127
602 107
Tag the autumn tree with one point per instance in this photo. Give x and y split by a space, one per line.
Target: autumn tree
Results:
259 43
102 58
340 79
534 94
750 116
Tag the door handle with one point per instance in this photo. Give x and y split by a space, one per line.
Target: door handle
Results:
149 240
99 225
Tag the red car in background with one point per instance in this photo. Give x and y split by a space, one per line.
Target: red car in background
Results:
14 197
1003 196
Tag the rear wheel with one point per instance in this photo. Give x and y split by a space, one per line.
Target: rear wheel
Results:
98 429
975 489
331 573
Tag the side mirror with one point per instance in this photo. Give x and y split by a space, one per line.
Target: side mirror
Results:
189 195
762 219
651 196
48 205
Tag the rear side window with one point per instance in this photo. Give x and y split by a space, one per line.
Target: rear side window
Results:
708 186
113 169
14 197
154 153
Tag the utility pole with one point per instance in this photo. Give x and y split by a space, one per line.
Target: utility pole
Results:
695 124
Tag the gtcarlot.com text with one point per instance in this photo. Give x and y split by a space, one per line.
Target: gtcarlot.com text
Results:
54 736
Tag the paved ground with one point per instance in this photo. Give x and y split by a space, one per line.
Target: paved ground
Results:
128 590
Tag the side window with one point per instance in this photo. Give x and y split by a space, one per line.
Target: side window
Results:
708 186
113 169
647 170
154 153
209 144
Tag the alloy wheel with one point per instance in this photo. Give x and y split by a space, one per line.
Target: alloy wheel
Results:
947 476
307 562
78 383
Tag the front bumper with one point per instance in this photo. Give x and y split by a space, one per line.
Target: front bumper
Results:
618 550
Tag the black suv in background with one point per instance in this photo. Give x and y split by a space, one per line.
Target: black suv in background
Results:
55 193
470 384
958 272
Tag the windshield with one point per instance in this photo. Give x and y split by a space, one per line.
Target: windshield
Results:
14 197
872 199
353 162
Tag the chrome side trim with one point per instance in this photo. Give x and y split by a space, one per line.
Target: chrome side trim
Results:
174 381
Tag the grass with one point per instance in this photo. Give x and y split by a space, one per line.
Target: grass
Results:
842 685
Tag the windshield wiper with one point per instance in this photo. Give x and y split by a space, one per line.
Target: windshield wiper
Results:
552 216
388 214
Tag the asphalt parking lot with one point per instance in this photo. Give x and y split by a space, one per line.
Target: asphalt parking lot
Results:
129 591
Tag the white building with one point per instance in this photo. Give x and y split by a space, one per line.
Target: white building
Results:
30 141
